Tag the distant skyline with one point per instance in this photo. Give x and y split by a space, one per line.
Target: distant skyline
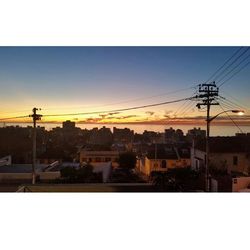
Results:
88 79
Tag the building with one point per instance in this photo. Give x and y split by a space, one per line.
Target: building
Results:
228 154
123 136
98 155
195 134
105 168
68 125
22 173
163 158
241 184
102 136
17 142
152 137
169 135
173 136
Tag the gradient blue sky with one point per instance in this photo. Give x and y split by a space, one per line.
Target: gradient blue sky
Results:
70 79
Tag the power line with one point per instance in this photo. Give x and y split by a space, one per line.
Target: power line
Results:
15 117
110 111
234 74
230 102
233 68
106 111
183 106
121 110
235 53
131 100
228 106
187 108
235 60
14 112
183 111
231 119
240 104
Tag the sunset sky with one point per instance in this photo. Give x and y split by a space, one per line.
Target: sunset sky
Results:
88 79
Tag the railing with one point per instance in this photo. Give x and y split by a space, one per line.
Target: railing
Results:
23 189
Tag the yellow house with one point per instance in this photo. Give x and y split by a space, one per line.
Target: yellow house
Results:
164 158
99 157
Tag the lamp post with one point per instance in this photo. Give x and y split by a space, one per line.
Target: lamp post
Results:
209 120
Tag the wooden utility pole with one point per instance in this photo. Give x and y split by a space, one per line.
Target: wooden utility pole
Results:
35 117
207 93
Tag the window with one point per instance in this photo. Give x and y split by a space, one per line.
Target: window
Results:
235 160
164 164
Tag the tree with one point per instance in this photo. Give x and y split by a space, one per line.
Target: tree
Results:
84 174
127 160
69 173
163 182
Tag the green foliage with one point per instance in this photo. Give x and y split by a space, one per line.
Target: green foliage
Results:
182 173
84 174
163 182
69 173
173 180
127 160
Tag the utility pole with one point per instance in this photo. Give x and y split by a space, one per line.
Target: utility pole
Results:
35 117
207 94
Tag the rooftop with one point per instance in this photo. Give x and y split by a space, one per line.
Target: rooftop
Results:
162 151
228 144
21 168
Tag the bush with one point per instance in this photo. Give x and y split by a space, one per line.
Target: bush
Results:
127 160
84 174
69 173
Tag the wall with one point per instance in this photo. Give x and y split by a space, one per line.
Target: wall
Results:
49 175
15 177
225 160
100 156
240 183
221 161
155 165
197 159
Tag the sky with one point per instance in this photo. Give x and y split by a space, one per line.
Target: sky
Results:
63 80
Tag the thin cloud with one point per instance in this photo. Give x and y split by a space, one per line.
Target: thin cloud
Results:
93 120
168 113
113 113
126 117
149 113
